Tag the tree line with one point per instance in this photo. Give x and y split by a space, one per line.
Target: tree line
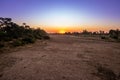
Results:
114 34
17 35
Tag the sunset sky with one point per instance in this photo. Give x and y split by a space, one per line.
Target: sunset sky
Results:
64 15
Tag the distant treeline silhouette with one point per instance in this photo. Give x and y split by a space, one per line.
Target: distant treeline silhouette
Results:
85 32
16 35
114 34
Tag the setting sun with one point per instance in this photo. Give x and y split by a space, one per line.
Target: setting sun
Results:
62 31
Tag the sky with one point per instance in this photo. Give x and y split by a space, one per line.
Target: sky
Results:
67 15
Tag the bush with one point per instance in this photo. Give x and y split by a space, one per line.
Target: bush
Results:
114 34
103 37
19 35
46 37
115 37
40 34
24 41
17 43
38 37
7 39
28 40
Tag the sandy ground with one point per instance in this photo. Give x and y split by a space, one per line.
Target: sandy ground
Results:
65 58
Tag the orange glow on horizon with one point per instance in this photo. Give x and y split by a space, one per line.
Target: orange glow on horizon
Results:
62 31
53 29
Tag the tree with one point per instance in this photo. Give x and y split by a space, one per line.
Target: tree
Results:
26 26
86 32
114 34
10 30
101 32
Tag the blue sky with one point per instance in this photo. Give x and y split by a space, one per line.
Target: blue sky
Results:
62 12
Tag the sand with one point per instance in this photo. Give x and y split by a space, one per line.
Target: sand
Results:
64 57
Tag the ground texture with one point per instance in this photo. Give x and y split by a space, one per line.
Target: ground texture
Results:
63 57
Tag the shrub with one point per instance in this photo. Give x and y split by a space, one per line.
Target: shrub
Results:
17 43
103 37
114 34
19 35
28 40
46 37
7 39
115 37
40 34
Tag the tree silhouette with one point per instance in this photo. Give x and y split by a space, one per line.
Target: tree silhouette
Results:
86 32
10 30
114 33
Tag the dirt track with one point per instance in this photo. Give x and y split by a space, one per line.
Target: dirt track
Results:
65 58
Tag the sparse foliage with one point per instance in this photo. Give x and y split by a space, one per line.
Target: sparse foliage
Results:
10 31
115 34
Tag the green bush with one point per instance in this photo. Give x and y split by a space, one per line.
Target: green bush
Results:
17 43
38 37
24 41
27 40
